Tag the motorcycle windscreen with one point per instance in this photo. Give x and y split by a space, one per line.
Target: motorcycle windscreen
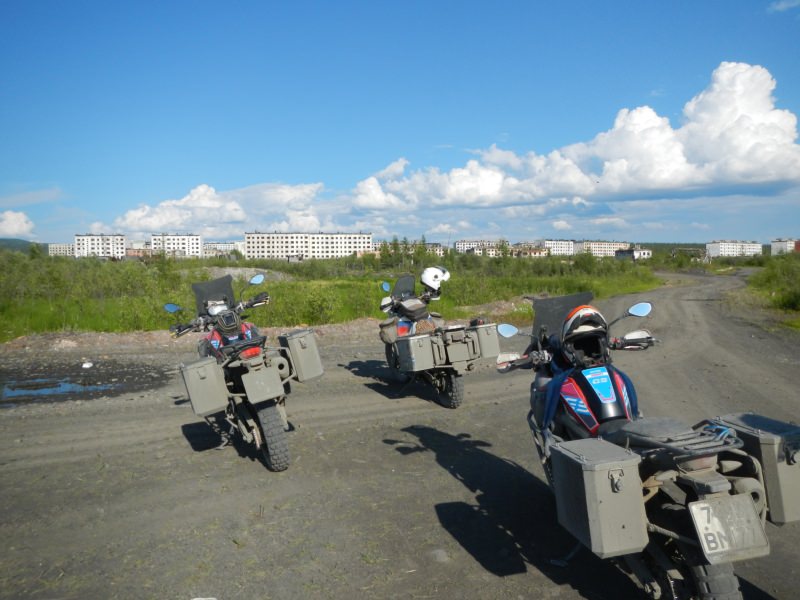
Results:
220 289
551 312
404 286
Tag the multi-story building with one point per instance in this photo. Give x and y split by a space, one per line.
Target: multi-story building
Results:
305 245
784 246
100 245
222 248
61 249
529 250
463 246
560 247
732 248
600 249
177 245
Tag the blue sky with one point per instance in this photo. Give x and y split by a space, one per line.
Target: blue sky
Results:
637 121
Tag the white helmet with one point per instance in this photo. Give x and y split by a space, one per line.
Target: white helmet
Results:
432 277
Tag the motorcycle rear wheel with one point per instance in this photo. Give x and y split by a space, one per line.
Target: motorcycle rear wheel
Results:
716 582
701 580
393 361
452 393
276 445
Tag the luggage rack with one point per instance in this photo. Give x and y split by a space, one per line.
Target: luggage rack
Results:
656 434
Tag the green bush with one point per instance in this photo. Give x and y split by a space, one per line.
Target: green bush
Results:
780 281
43 294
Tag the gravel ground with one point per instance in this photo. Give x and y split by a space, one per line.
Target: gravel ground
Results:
117 490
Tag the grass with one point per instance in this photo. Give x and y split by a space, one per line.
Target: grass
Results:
40 294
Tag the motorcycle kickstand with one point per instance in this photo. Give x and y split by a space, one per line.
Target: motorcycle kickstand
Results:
411 379
564 561
225 437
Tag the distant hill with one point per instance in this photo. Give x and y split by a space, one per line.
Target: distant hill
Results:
18 245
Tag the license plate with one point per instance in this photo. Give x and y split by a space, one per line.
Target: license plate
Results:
729 528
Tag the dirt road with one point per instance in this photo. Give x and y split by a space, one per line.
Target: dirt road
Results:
389 495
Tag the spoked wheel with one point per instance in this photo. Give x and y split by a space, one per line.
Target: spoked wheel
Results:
452 393
393 361
276 445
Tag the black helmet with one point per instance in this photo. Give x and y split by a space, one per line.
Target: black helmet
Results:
229 323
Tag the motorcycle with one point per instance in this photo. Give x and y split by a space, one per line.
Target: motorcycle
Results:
671 504
238 374
420 346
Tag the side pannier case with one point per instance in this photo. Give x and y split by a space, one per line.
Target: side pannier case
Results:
599 496
305 358
414 353
776 445
488 342
205 384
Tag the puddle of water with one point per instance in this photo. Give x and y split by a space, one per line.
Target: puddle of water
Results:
51 389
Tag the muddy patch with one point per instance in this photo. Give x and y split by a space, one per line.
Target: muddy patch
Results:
77 380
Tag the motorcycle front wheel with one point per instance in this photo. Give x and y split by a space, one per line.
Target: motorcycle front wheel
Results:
276 445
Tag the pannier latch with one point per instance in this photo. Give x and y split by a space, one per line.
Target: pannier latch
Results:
616 479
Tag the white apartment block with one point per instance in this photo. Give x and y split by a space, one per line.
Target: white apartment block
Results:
100 245
560 247
178 245
463 246
784 246
305 245
222 248
61 249
732 248
600 249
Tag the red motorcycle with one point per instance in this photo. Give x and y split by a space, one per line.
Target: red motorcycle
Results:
238 375
673 505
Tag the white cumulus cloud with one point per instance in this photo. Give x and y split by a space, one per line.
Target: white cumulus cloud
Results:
225 215
14 224
731 134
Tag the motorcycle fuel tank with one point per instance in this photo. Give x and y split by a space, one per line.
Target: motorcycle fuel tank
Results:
595 395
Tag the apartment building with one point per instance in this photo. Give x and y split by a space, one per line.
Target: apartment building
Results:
305 245
560 247
781 246
600 249
732 248
100 245
61 249
177 245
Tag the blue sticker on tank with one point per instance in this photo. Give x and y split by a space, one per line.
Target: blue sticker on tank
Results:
600 380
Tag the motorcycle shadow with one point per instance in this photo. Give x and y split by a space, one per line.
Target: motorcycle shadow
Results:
202 436
385 382
513 522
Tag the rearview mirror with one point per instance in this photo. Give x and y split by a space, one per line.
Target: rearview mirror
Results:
385 286
257 279
637 335
506 330
642 309
171 307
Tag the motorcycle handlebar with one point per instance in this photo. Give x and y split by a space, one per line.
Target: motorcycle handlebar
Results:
637 344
